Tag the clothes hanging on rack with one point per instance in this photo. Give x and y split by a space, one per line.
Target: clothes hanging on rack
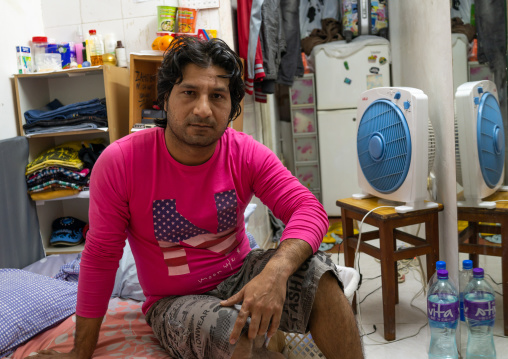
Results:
269 40
291 64
250 52
273 43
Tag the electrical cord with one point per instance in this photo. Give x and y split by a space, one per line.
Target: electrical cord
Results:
409 264
375 290
409 336
357 267
492 279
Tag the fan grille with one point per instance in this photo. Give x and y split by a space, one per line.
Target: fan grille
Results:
490 136
384 146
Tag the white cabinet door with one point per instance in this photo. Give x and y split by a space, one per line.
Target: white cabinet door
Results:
337 154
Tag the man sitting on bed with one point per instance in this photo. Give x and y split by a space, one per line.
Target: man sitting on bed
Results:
180 192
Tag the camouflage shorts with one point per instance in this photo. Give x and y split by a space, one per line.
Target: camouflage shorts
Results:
197 326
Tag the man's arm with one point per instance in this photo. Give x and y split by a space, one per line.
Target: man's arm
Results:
85 341
263 297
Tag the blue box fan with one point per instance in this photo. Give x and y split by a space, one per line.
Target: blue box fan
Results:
479 143
395 146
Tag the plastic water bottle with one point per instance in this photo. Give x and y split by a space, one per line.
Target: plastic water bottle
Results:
443 315
465 276
480 313
433 279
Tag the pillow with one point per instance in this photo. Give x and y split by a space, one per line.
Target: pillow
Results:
126 280
31 303
251 207
51 265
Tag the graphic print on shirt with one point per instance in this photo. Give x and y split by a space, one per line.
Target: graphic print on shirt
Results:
171 229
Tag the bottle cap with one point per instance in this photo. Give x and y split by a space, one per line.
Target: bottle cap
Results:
119 43
440 265
92 32
39 39
478 273
467 264
442 274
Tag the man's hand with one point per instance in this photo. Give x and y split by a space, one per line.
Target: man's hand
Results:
262 300
264 296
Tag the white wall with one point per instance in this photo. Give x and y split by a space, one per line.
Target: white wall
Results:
422 58
132 21
19 20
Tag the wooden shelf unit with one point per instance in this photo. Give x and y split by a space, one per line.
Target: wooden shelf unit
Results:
143 85
70 86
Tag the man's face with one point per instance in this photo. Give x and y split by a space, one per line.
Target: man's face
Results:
198 108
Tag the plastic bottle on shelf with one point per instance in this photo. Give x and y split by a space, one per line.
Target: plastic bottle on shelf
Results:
109 57
96 48
465 276
480 313
79 52
109 43
433 279
443 316
121 58
39 46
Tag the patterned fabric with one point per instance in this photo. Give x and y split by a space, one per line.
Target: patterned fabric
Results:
69 272
57 156
53 184
30 303
198 327
123 334
54 170
171 228
65 155
62 179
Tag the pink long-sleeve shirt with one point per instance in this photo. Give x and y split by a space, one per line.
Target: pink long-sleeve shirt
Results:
184 224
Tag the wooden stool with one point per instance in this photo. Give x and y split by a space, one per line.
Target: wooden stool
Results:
387 220
469 238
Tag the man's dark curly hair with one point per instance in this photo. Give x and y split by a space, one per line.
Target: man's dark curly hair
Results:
186 50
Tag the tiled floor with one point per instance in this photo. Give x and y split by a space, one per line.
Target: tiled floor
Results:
412 340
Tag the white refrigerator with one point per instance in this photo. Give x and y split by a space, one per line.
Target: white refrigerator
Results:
343 71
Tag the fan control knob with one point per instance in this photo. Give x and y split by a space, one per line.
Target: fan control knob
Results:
480 89
476 100
498 140
377 146
407 105
397 95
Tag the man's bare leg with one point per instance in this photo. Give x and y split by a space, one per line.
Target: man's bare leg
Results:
332 322
254 349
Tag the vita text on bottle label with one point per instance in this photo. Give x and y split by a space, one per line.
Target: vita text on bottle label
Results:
480 310
443 312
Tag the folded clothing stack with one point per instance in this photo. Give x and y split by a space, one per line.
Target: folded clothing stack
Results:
55 117
63 170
